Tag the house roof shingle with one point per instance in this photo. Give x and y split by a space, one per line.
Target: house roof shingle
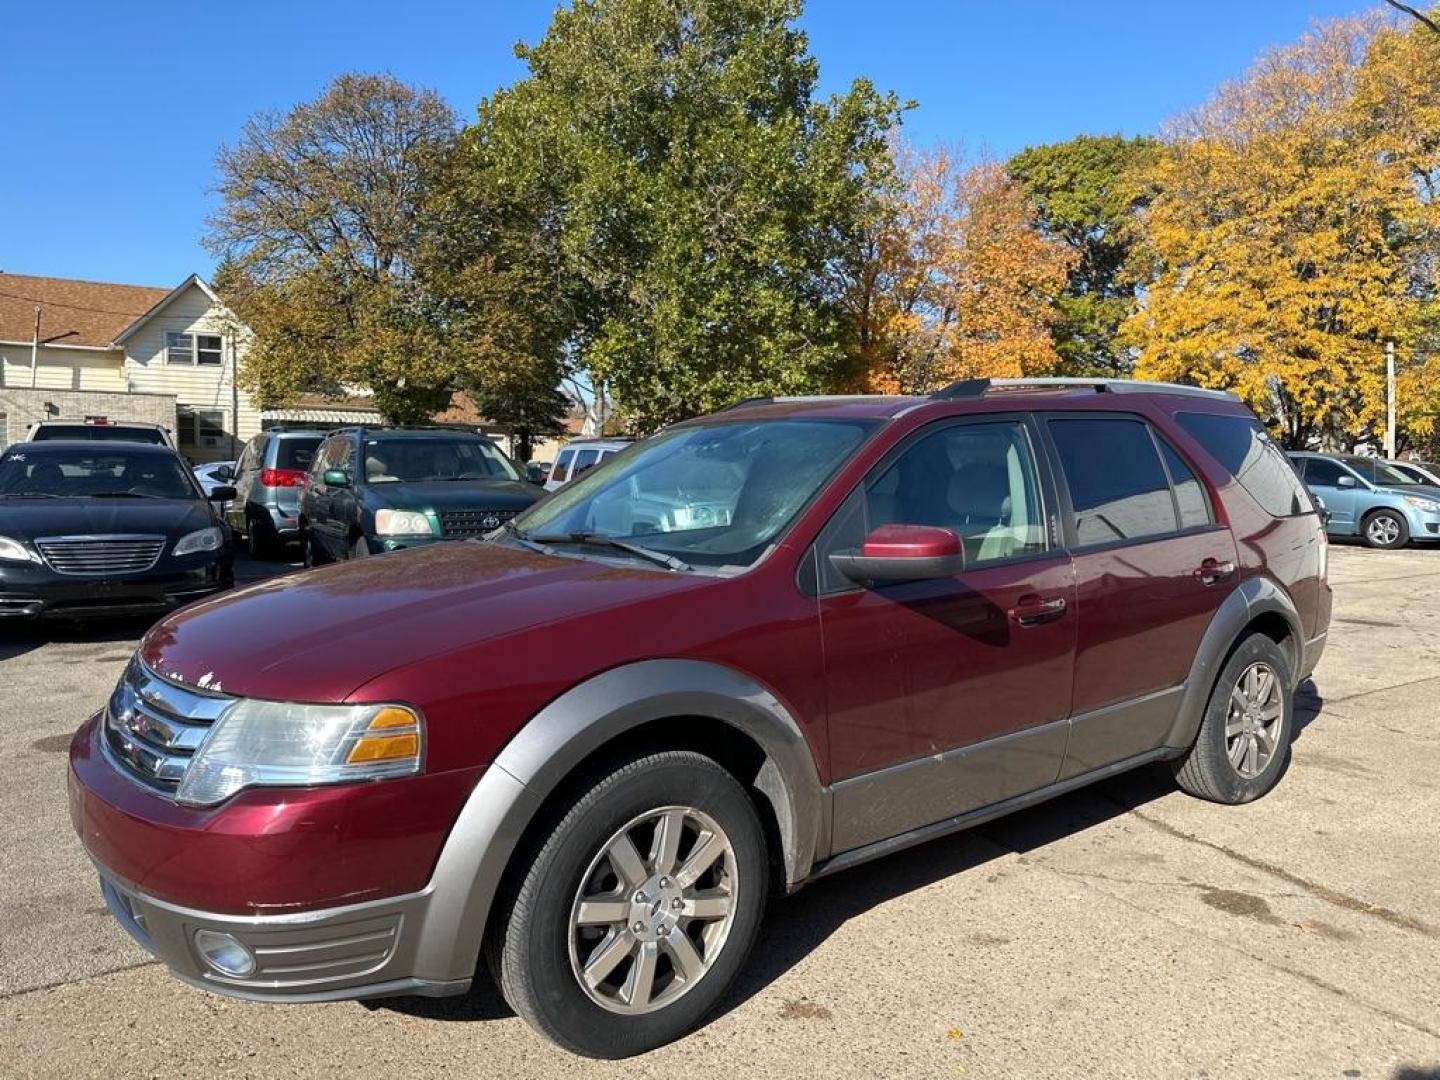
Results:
71 312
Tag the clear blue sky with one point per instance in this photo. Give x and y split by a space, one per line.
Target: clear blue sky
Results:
112 112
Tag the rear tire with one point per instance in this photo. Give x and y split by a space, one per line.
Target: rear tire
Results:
1385 529
260 542
1243 745
660 936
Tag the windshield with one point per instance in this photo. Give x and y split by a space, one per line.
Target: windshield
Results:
1378 472
82 472
407 460
712 495
99 433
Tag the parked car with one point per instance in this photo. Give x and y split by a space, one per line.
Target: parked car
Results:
376 489
269 479
580 456
1419 472
101 430
105 529
1371 499
209 481
762 647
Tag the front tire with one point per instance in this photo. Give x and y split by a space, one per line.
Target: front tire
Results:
1243 744
638 910
1385 529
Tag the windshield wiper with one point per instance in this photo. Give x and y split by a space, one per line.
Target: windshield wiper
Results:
670 562
125 495
30 495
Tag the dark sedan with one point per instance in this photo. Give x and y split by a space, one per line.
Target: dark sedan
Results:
92 528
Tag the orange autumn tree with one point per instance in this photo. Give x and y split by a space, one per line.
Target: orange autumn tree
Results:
1284 248
958 282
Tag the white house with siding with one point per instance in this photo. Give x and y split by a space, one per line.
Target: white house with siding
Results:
83 349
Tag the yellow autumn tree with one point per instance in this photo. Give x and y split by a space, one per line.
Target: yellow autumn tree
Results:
958 283
1281 248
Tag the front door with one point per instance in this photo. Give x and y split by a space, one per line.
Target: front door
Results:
1324 477
950 694
1152 565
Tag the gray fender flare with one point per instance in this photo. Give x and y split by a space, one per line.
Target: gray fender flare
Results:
1250 599
560 737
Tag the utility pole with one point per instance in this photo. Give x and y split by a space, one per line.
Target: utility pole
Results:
1390 399
35 349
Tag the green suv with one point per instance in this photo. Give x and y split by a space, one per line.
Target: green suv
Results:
377 489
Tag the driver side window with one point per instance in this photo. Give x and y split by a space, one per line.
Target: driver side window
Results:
1322 473
978 480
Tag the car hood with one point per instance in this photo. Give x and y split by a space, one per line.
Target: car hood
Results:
453 495
29 518
319 635
1418 491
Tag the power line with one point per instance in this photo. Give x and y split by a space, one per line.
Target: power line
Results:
71 307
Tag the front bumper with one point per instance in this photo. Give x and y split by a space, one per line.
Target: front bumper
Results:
29 590
338 892
356 951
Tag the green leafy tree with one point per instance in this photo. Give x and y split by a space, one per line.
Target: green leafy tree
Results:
1087 192
696 209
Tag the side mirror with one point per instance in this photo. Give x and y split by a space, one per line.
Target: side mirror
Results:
221 494
903 553
336 478
224 472
1346 482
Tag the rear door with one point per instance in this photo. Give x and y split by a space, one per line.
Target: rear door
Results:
1152 565
950 694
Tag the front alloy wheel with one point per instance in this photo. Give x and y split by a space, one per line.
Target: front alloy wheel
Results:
645 928
629 922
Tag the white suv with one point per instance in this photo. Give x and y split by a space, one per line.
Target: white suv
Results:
99 429
580 456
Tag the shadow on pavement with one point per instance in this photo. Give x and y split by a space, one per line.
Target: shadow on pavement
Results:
797 925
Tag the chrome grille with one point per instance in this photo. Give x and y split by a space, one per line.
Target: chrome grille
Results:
460 524
153 727
112 553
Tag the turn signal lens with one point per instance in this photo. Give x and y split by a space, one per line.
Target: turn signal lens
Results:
393 735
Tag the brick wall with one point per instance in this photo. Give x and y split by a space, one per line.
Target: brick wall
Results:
20 408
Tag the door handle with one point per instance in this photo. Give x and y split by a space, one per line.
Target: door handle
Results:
1033 610
1212 570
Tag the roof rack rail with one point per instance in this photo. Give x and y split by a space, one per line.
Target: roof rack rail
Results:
973 388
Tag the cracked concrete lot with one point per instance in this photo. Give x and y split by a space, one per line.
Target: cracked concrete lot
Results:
1125 931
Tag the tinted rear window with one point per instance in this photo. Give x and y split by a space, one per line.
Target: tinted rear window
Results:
99 433
1118 489
296 453
1248 453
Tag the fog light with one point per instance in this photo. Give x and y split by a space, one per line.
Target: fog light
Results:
225 954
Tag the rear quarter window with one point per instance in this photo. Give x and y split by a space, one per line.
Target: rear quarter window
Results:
1242 447
296 453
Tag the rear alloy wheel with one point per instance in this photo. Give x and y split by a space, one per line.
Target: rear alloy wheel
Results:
638 910
1244 739
1385 529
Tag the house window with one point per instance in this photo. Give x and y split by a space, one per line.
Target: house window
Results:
204 349
200 427
207 350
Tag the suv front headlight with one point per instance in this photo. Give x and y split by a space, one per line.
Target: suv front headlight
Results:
280 744
1419 502
12 550
402 523
207 539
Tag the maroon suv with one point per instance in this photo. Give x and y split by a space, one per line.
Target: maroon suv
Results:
755 649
